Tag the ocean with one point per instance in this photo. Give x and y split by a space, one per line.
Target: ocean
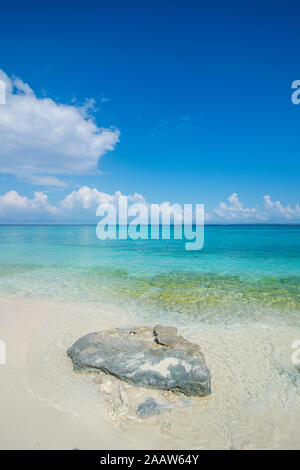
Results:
238 298
243 272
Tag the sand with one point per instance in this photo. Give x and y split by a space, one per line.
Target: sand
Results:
44 404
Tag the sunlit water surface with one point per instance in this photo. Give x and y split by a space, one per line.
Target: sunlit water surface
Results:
239 297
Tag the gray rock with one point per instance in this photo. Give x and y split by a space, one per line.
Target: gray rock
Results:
146 358
167 336
150 407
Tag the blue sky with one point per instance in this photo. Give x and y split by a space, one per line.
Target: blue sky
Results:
195 98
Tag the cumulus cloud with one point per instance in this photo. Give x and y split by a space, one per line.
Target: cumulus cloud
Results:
90 198
79 206
39 137
233 210
17 209
277 210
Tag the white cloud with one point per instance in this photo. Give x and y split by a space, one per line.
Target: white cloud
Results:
277 210
90 198
234 209
39 180
39 137
80 207
85 198
83 202
16 209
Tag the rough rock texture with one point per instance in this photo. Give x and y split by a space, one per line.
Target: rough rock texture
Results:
145 357
150 407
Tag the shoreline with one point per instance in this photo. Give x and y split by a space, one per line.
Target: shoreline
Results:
29 421
46 405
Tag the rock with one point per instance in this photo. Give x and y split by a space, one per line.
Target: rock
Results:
145 357
167 336
150 407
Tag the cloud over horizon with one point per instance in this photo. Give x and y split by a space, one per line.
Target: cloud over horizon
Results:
233 210
15 208
79 206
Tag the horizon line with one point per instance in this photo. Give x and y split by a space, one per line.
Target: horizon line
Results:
39 224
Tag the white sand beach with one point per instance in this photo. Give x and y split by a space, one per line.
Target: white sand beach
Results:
44 404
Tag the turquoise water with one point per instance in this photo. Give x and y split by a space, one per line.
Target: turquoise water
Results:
238 298
242 270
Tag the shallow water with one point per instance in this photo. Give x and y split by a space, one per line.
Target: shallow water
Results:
241 269
255 399
239 298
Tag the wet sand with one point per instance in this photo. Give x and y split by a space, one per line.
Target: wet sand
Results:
44 404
